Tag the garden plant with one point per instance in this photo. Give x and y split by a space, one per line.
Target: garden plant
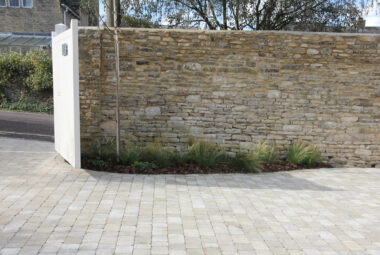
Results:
200 157
26 82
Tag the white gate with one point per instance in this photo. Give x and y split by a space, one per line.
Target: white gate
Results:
66 92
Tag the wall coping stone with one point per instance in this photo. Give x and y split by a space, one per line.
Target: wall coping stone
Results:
235 31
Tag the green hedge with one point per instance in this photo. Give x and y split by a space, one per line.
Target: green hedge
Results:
29 73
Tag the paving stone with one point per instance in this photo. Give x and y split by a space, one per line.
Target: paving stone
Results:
46 207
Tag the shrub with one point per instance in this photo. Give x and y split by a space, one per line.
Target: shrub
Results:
300 153
40 77
32 72
206 154
155 153
130 154
98 163
14 70
266 153
27 105
246 161
144 166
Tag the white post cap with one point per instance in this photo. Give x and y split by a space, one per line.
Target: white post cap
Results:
59 28
74 23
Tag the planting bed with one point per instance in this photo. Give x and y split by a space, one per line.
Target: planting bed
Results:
185 168
202 157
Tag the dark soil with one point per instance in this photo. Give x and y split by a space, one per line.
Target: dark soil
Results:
185 168
286 166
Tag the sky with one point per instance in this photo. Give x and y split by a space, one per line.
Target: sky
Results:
101 8
372 18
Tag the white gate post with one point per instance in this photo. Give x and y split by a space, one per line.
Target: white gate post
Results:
66 93
74 30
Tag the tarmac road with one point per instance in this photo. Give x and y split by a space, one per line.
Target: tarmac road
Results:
27 125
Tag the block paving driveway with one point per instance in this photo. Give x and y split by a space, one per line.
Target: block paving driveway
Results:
46 207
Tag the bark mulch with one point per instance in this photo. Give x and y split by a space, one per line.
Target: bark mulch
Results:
185 168
286 166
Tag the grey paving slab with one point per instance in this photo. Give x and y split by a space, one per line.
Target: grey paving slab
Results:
46 207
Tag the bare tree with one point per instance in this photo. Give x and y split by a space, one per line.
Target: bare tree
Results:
109 13
111 24
113 21
117 69
244 14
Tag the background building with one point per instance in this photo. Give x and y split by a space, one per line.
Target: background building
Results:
26 24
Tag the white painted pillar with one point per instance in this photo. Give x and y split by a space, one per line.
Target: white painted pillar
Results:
66 92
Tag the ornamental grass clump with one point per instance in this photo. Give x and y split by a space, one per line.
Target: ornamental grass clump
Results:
101 154
130 154
156 153
106 151
300 153
206 154
247 161
266 153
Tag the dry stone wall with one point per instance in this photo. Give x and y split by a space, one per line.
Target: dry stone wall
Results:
235 88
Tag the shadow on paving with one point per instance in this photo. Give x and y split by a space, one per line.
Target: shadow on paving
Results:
279 180
27 155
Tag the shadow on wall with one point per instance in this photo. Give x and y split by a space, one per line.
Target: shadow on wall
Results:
281 181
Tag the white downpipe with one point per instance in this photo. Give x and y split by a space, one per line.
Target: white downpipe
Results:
67 9
64 16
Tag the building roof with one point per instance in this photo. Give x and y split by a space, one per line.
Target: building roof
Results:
75 4
23 39
73 7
